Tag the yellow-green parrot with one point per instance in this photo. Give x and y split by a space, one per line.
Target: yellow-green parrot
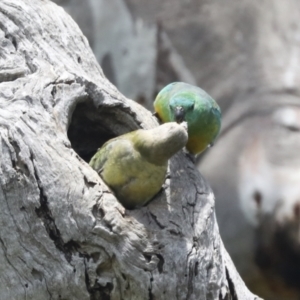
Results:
134 165
179 102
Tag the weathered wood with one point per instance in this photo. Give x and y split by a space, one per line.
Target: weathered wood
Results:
63 235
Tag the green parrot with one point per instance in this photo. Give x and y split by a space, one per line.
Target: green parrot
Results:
179 102
134 165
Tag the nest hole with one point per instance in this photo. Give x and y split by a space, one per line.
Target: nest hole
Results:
92 126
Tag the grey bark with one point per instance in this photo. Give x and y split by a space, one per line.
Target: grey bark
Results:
63 235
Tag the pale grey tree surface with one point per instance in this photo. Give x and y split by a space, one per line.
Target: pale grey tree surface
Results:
245 54
63 234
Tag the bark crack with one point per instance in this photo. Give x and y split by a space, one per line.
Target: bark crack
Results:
231 286
96 291
45 214
50 294
154 217
12 74
19 165
150 294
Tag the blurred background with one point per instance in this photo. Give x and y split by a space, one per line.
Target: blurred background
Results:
246 55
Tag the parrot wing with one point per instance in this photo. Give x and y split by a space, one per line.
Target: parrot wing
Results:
102 155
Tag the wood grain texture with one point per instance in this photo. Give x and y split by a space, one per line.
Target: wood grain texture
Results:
63 235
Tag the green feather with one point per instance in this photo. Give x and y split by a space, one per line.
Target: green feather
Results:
134 165
202 113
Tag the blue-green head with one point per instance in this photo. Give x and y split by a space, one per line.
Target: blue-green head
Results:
180 106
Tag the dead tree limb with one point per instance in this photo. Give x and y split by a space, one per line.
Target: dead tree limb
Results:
63 235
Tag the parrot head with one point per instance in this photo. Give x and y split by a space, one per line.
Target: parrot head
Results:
179 102
180 107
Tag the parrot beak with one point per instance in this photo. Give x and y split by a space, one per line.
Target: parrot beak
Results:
179 114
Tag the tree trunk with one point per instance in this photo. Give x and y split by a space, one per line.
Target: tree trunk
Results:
63 233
